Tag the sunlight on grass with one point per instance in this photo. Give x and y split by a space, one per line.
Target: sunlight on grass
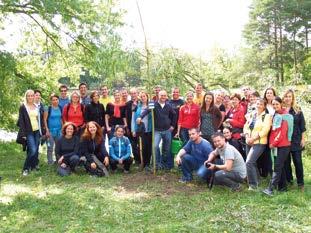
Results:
10 190
123 194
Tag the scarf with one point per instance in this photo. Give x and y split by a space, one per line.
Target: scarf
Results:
116 109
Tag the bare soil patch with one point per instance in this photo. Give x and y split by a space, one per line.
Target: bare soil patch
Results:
162 184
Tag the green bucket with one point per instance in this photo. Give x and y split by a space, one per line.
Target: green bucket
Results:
176 145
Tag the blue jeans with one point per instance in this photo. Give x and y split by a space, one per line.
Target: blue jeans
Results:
184 135
189 164
50 148
205 173
251 166
33 141
166 159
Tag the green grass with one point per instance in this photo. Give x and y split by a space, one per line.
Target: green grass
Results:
45 202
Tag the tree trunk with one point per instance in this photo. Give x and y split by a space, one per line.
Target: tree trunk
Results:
281 53
307 37
276 54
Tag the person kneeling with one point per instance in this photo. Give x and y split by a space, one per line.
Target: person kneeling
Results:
192 156
120 150
94 150
233 170
67 150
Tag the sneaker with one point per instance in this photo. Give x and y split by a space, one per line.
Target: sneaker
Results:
268 192
126 171
237 188
25 172
183 181
252 188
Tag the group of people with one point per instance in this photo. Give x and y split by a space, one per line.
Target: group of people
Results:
227 138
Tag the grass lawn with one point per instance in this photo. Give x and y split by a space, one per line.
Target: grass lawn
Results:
45 202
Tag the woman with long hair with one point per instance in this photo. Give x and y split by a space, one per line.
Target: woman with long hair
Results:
279 142
264 162
236 116
74 112
143 129
210 117
53 125
67 150
298 139
95 111
115 114
93 149
256 131
189 117
269 95
31 128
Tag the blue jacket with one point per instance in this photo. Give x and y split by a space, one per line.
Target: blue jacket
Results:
137 115
120 148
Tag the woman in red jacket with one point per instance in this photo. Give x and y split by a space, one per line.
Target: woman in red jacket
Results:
74 112
189 117
279 143
236 116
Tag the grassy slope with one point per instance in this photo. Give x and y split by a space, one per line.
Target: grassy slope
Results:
44 202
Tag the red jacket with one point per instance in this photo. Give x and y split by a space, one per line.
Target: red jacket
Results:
74 115
189 116
237 121
278 137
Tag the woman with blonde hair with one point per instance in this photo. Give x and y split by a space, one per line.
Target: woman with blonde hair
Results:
31 128
74 112
298 139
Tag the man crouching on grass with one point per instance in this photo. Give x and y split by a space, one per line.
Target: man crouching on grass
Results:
233 172
192 156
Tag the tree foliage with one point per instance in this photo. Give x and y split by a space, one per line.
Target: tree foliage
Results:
278 36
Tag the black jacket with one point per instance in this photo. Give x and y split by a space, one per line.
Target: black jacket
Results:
67 147
24 123
299 128
95 112
89 148
164 117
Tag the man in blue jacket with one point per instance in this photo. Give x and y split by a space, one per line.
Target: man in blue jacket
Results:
164 122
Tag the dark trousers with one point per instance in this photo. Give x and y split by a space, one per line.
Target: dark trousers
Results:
134 145
32 158
127 164
296 155
264 163
146 147
184 135
279 175
230 179
71 163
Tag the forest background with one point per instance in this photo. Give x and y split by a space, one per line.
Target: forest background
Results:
80 40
